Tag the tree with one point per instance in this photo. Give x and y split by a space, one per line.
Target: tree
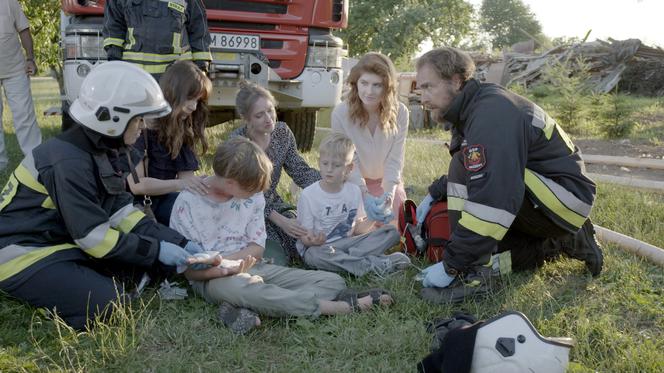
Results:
44 18
508 22
397 27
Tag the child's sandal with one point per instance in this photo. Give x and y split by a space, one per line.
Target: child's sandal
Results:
376 294
349 296
238 320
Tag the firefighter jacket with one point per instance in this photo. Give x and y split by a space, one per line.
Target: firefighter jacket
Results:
505 148
66 202
155 33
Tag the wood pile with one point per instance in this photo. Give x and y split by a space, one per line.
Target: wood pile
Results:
629 64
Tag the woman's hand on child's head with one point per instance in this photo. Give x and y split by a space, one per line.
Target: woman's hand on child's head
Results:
195 184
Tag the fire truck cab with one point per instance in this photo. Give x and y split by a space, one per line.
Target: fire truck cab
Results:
286 46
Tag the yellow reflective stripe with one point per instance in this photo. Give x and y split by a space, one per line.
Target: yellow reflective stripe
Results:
177 42
455 203
152 69
128 223
48 203
130 38
551 201
113 41
207 56
150 57
8 192
481 227
224 56
176 6
549 125
565 137
25 177
505 262
22 262
185 56
104 247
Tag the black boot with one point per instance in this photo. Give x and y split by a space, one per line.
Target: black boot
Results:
584 246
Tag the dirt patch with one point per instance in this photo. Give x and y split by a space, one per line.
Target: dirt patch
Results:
626 148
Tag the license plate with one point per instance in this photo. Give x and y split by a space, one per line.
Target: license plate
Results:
238 42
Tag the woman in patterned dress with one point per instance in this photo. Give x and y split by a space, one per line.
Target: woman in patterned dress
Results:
256 107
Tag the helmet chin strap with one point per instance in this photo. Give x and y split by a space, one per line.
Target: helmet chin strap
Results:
132 167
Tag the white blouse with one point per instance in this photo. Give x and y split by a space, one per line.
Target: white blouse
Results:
377 156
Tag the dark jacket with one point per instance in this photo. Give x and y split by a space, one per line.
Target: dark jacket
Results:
65 201
155 33
508 148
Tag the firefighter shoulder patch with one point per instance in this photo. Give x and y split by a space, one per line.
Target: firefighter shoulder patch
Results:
474 158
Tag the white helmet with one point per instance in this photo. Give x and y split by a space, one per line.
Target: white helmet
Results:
113 94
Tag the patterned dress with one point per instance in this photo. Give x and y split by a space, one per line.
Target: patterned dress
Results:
283 153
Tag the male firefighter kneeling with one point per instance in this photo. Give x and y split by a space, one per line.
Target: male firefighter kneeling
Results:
515 187
69 233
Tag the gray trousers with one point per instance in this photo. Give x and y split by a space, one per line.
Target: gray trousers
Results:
19 98
357 255
274 290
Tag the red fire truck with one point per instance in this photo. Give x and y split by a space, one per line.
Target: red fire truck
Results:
286 46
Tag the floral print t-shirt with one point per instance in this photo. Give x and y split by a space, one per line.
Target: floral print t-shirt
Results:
226 227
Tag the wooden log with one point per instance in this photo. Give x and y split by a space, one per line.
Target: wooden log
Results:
638 247
656 186
657 164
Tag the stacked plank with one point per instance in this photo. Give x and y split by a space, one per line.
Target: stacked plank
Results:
629 64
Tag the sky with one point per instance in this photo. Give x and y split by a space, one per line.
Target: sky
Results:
619 19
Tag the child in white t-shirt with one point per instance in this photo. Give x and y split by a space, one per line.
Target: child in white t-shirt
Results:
340 237
229 220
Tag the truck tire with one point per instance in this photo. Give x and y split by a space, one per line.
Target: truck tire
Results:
303 124
67 121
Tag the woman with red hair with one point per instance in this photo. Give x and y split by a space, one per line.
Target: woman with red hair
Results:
377 123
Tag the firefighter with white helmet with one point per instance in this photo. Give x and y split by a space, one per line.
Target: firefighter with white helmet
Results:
68 228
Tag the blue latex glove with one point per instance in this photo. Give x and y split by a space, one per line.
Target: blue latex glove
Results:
423 208
435 276
172 254
386 203
371 208
193 248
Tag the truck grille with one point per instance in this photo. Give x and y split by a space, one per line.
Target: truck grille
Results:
240 25
246 6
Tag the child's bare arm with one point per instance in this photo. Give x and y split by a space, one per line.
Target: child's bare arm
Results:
217 271
252 249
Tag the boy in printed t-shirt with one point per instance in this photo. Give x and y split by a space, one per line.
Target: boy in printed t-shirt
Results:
340 237
229 220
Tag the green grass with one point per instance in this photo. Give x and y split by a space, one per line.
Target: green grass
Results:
616 319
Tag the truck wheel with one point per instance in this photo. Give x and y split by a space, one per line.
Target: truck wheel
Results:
67 121
303 124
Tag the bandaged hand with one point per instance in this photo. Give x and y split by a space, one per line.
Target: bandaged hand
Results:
372 208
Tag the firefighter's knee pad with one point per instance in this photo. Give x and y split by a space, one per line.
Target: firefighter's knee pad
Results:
510 343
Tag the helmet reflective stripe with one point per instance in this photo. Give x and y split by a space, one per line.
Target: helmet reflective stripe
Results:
113 94
510 343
